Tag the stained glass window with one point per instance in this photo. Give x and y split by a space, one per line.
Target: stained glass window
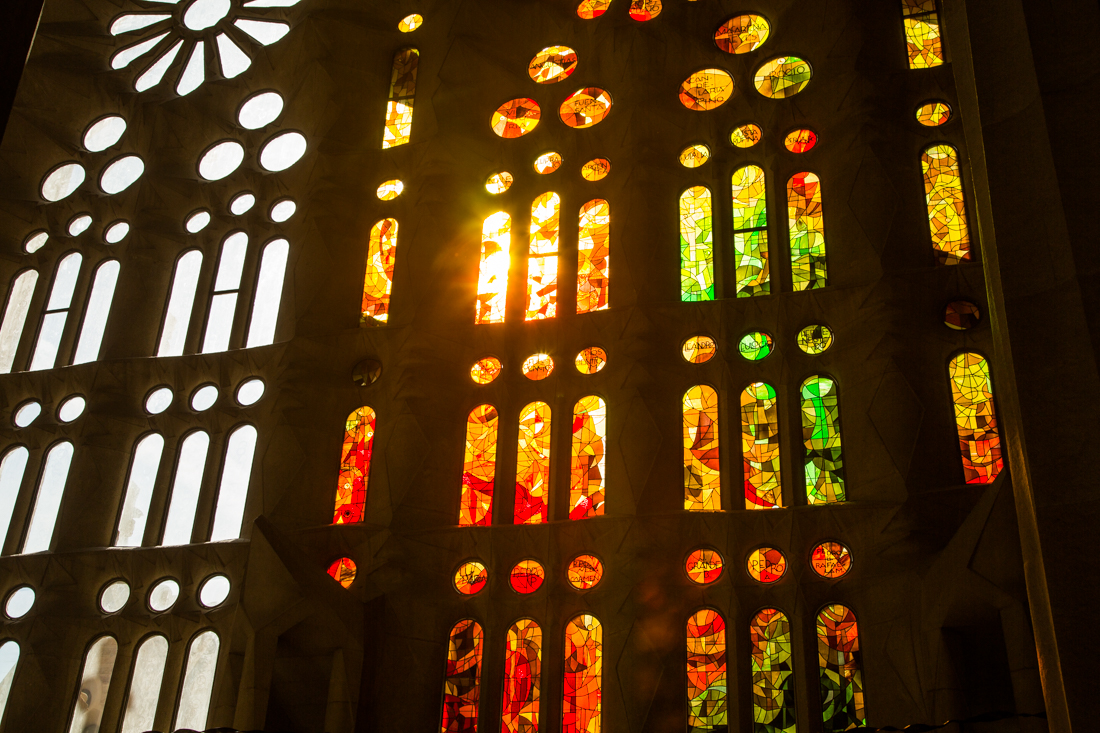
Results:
839 665
343 571
542 260
747 135
581 703
492 282
596 169
552 64
462 683
976 419
498 182
755 345
351 487
584 572
594 256
486 370
585 107
782 77
823 461
773 709
227 285
922 33
410 23
516 118
831 560
480 467
591 360
527 576
586 485
522 678
699 349
547 163
760 446
703 566
644 10
538 367
399 109
694 156
471 577
702 479
766 564
742 34
589 9
959 315
800 141
696 245
815 339
708 710
946 204
934 114
533 464
378 283
750 232
706 90
389 190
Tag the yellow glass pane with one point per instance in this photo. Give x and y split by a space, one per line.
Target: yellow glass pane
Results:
767 564
702 479
746 136
694 156
585 107
933 114
538 367
410 23
486 370
760 447
542 260
492 284
815 339
593 256
591 360
389 190
378 282
589 445
699 349
547 163
399 108
480 467
498 182
742 34
706 89
946 205
596 169
782 77
584 572
552 64
470 578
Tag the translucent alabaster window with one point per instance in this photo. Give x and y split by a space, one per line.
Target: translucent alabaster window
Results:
116 232
163 595
492 284
9 660
177 316
79 224
19 602
145 683
269 293
95 316
186 483
282 210
93 686
139 491
114 596
242 203
47 499
233 488
203 398
198 681
56 313
12 467
227 284
15 316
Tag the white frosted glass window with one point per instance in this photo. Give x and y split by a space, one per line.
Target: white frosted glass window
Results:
227 283
197 221
264 31
79 224
95 317
177 315
27 413
270 3
203 14
35 241
242 203
194 74
135 22
234 60
155 73
260 110
250 391
269 293
214 590
121 173
114 596
141 703
20 602
116 232
123 58
15 315
57 312
12 467
233 488
71 408
107 131
198 681
164 595
139 491
185 489
9 660
282 210
47 501
203 398
221 160
158 400
282 151
62 181
95 683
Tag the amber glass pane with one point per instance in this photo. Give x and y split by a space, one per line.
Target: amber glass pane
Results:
585 107
399 108
516 118
552 64
742 34
706 672
522 678
593 256
760 446
381 253
702 480
707 89
492 282
351 488
946 204
586 486
581 701
462 683
470 578
533 464
922 33
696 245
542 260
480 467
979 436
750 227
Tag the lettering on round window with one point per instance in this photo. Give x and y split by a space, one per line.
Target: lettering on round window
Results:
584 572
527 576
470 578
703 566
767 565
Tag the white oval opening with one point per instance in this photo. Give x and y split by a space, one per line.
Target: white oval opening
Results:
204 398
19 602
260 109
116 232
164 595
121 174
221 160
114 596
62 181
197 221
241 203
104 133
27 414
283 210
158 400
71 408
203 14
79 224
214 591
250 391
35 241
282 151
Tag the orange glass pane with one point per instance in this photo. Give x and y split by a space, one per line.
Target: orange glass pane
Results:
702 479
399 108
934 114
470 578
547 163
585 107
708 709
694 156
538 366
593 256
946 205
703 566
760 447
462 682
533 464
589 9
800 141
975 418
581 699
351 487
378 282
584 572
492 283
707 89
486 370
542 259
699 349
767 564
586 484
839 666
498 182
746 135
831 560
742 34
410 23
591 360
552 64
527 576
522 678
480 467
343 571
644 10
596 169
516 118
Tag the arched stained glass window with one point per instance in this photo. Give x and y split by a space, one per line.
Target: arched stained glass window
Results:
492 281
702 480
47 500
93 685
381 254
177 316
462 684
582 692
922 33
480 467
15 317
807 230
542 260
593 256
227 285
823 461
946 204
760 446
351 487
184 499
586 485
198 681
522 678
233 487
773 709
139 491
696 245
839 665
269 294
56 313
750 232
9 660
976 419
95 316
399 109
145 683
533 464
708 710
12 467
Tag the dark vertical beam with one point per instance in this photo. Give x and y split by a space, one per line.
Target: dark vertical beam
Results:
21 20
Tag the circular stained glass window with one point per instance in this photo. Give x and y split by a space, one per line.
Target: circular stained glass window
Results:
703 566
516 118
699 349
644 10
410 23
589 9
547 163
755 346
800 141
933 114
742 34
538 366
694 156
596 169
746 136
707 89
815 339
782 77
498 182
584 572
343 571
767 564
552 64
485 370
391 189
470 578
591 360
831 560
527 576
961 315
585 107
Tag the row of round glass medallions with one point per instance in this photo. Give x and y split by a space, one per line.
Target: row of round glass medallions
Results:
114 596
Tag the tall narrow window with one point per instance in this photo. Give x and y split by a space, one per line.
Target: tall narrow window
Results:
823 461
706 672
9 660
47 501
57 312
12 467
807 232
399 110
184 499
145 682
269 294
542 261
533 464
181 300
462 684
139 491
586 483
522 678
480 467
702 480
227 285
381 253
593 256
760 446
15 316
750 232
838 660
492 280
351 488
233 487
696 245
94 683
946 204
922 33
95 317
198 681
979 438
581 703
773 709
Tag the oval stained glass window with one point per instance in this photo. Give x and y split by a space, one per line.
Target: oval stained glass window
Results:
742 34
589 9
552 64
699 349
485 370
585 107
391 189
746 136
547 163
815 339
591 360
596 169
755 346
410 23
933 114
782 77
538 366
831 560
584 572
800 141
516 118
470 578
767 565
961 315
706 89
644 10
343 571
694 156
498 182
527 576
703 566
